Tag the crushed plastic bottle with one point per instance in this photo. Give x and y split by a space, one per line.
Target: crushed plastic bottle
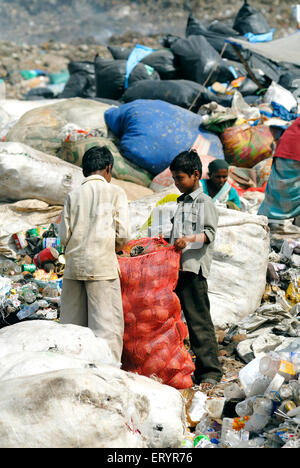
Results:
273 364
28 310
245 407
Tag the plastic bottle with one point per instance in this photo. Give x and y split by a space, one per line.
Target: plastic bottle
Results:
263 406
233 391
10 268
286 392
272 364
28 310
262 411
295 358
28 296
245 408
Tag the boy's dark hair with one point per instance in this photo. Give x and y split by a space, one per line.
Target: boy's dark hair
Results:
96 158
187 162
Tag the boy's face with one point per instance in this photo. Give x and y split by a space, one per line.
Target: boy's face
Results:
219 178
186 183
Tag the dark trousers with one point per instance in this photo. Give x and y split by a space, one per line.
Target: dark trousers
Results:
193 295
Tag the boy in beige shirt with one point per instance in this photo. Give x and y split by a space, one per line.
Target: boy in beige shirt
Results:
95 224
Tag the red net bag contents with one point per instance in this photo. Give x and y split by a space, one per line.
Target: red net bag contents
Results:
154 331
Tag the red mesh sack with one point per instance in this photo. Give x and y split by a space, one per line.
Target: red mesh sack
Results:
154 331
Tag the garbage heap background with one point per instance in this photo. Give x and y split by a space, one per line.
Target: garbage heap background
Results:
257 404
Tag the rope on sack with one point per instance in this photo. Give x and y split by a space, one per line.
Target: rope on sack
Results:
210 75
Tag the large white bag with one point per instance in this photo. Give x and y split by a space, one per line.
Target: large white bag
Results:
56 365
41 128
153 410
237 277
46 335
28 173
70 408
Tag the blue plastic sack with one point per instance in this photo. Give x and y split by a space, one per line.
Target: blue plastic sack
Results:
254 38
153 132
135 56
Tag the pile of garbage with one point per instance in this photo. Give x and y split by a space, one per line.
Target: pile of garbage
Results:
31 285
257 404
259 410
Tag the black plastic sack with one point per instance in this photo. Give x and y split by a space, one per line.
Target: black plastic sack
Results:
181 93
161 60
248 87
222 28
249 19
198 61
259 63
119 53
196 58
216 40
81 82
110 77
291 80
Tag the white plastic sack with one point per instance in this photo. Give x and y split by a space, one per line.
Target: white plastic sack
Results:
281 96
28 173
22 216
41 128
16 108
153 410
43 336
237 277
71 408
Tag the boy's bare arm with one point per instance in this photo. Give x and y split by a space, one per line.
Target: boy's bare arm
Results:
181 243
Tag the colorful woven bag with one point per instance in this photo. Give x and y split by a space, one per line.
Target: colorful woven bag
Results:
246 146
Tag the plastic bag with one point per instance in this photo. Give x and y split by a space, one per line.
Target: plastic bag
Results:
81 82
27 173
152 143
110 76
162 60
73 151
181 93
216 39
249 19
246 146
199 61
40 128
154 331
280 95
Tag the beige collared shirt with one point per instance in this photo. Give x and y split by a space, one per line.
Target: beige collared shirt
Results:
196 214
95 218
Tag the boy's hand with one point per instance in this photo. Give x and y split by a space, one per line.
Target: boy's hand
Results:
181 243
